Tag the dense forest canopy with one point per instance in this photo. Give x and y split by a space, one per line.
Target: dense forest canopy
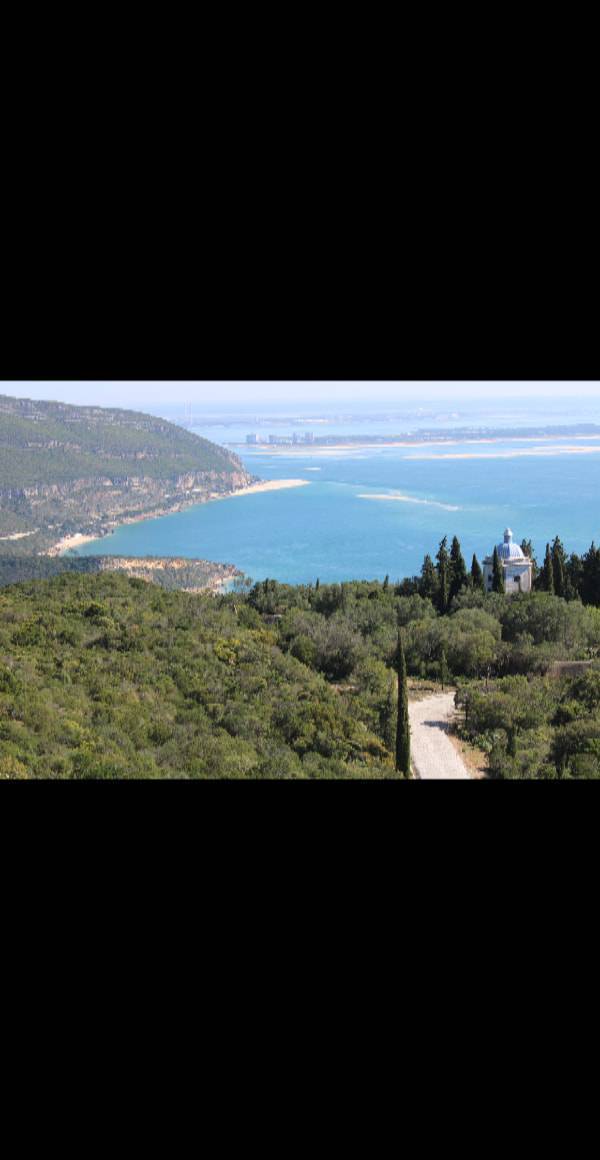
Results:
101 676
108 677
168 572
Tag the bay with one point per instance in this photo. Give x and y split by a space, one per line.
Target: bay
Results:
330 531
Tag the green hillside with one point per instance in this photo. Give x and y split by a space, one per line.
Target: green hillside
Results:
66 469
180 573
45 442
104 676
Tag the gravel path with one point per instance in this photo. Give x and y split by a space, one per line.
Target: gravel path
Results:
433 754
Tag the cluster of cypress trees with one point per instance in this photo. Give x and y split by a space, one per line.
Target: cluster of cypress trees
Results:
442 581
572 577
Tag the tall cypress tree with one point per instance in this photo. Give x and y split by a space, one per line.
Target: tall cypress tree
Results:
428 583
443 571
558 568
546 580
574 574
477 575
403 725
590 575
498 584
458 569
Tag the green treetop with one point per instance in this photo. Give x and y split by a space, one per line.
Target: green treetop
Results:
498 584
458 570
590 575
558 568
477 575
428 583
443 571
546 578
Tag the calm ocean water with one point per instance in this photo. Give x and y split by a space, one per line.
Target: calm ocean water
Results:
329 530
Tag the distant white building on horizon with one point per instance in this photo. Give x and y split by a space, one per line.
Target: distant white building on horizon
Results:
518 568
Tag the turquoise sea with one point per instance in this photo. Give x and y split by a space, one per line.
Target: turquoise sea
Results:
329 530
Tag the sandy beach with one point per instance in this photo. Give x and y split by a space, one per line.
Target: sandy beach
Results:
69 542
270 485
448 507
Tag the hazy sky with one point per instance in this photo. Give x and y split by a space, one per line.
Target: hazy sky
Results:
247 395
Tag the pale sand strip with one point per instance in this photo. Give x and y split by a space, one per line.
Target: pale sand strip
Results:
340 448
270 485
20 535
537 451
69 542
448 507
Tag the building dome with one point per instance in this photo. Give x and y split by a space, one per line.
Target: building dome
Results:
509 551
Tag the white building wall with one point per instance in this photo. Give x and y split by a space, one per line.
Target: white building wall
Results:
517 577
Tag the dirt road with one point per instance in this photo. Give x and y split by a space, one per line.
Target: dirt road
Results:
433 754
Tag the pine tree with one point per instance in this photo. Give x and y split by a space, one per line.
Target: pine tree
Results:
558 568
458 570
443 571
403 725
477 575
428 583
386 583
546 580
498 584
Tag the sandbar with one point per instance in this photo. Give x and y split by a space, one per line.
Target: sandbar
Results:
539 451
448 507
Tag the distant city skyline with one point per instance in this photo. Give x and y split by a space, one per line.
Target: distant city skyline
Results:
316 395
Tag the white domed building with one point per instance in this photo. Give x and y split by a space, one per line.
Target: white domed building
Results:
517 567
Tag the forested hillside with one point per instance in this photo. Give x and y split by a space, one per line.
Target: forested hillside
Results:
65 468
103 676
526 667
185 574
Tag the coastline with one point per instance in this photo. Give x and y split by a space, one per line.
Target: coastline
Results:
76 539
269 485
335 448
547 452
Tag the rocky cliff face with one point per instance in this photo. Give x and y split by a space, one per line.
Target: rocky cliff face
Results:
94 505
203 482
